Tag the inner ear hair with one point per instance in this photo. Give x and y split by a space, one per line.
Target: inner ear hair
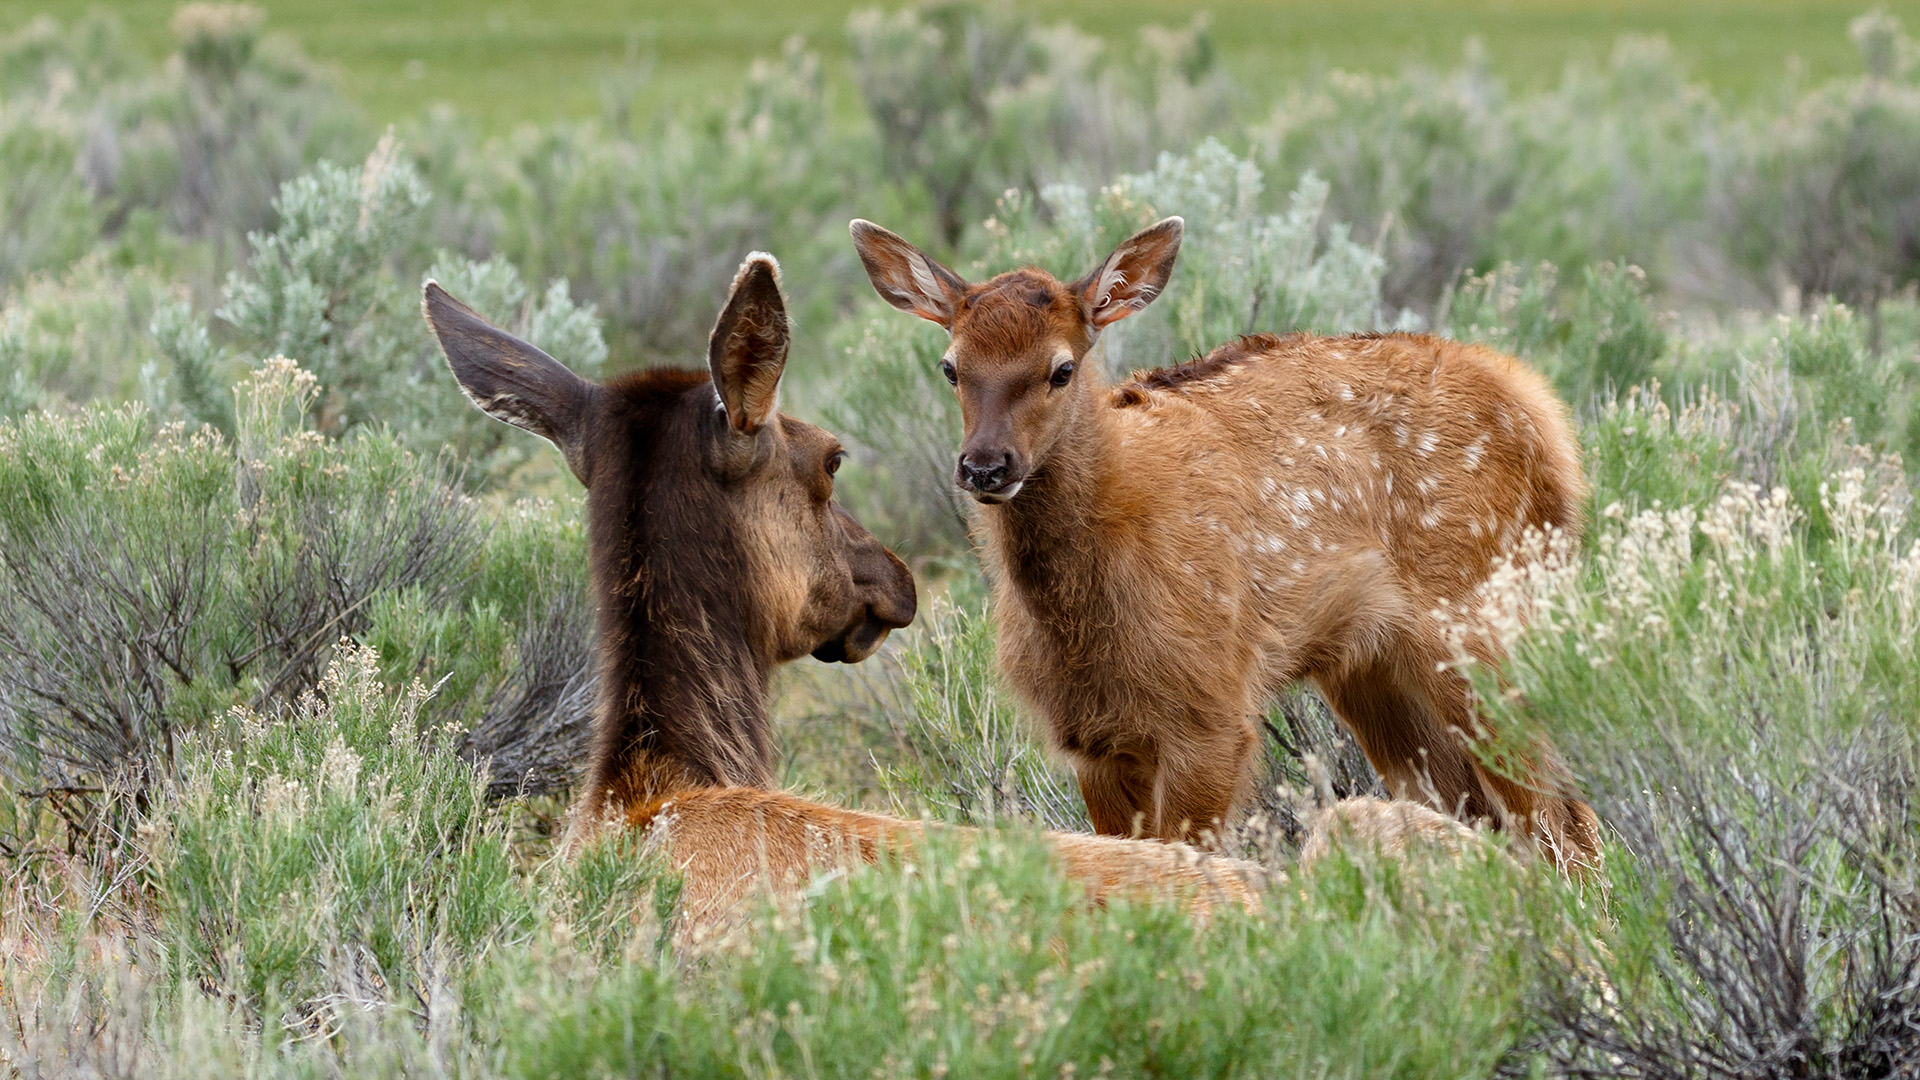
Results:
1134 274
747 351
905 276
509 379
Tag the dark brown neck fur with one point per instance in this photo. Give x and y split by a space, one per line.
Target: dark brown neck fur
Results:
1045 535
681 692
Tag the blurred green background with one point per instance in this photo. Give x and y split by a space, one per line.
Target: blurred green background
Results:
510 62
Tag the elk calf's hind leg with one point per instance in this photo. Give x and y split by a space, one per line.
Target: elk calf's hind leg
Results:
1532 791
1411 748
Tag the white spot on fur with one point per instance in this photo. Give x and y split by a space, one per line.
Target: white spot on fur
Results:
1299 566
1427 443
1346 392
1475 450
1430 519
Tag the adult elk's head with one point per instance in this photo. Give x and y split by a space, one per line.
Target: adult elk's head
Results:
711 514
1019 342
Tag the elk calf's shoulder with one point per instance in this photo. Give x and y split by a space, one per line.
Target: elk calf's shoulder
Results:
1168 554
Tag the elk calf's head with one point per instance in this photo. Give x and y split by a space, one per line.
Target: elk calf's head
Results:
1019 341
705 503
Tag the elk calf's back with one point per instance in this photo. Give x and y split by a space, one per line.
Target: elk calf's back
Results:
1169 553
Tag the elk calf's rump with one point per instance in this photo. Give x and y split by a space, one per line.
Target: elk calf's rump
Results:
1168 554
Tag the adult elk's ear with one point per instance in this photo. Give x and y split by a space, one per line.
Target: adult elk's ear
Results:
748 349
1134 274
510 379
904 276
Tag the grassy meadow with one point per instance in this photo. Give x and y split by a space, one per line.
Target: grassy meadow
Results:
295 645
508 63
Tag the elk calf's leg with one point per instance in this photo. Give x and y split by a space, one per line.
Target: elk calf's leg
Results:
1119 795
1528 789
1199 781
1411 747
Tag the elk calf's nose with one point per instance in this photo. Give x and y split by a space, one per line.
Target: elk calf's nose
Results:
984 472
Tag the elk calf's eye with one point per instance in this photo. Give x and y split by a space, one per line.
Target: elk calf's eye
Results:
946 368
833 461
1062 375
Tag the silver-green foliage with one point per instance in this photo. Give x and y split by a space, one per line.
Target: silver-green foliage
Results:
152 574
328 287
651 222
94 134
336 843
970 99
1733 674
151 577
1821 193
972 757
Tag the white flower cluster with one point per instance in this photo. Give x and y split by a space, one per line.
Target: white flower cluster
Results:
1645 563
1530 585
1713 570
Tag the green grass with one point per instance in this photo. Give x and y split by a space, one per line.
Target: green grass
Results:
507 63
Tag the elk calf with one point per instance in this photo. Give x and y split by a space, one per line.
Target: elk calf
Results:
719 554
1168 554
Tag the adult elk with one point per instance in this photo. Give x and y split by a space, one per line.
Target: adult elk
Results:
718 554
1168 554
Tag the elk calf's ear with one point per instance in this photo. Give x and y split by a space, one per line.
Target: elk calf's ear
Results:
511 380
1134 274
748 349
904 276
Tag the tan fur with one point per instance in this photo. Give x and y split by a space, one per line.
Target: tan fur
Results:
1394 828
1168 555
1299 514
734 844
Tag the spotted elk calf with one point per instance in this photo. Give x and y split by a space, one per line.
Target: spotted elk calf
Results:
1170 553
719 554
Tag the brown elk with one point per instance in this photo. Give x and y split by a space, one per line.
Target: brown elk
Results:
718 554
1169 553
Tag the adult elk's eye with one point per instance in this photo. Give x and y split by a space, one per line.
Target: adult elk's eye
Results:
1062 375
833 461
946 368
